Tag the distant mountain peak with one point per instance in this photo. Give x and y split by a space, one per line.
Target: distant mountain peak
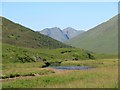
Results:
55 28
60 35
71 32
55 33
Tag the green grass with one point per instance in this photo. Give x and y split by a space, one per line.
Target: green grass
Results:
105 76
11 70
100 39
16 34
14 54
25 52
22 62
26 72
92 63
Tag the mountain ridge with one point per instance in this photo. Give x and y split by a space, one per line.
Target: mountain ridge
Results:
101 39
61 35
19 35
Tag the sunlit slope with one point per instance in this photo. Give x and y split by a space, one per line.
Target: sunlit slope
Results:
101 39
16 34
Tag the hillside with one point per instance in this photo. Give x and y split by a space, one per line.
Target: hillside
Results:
16 34
61 35
22 54
101 39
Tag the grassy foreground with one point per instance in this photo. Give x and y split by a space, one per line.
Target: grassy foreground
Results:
104 75
11 70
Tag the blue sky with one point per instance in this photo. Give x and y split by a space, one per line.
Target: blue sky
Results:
40 15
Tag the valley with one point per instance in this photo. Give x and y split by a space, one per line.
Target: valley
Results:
28 58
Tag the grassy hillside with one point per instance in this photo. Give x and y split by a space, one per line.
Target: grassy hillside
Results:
15 34
13 54
23 67
101 39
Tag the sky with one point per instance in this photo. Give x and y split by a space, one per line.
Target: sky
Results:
78 15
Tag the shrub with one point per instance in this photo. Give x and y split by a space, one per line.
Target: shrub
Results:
26 58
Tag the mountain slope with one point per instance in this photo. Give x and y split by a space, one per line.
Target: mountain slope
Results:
15 34
61 35
101 39
70 32
55 33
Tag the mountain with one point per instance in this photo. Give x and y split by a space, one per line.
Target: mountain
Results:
101 39
61 35
16 34
70 32
55 33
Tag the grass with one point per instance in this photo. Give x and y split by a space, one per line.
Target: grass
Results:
13 54
97 78
21 61
93 63
11 70
16 34
104 76
27 73
100 39
82 78
25 52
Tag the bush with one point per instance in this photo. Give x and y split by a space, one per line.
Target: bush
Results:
26 58
12 75
90 56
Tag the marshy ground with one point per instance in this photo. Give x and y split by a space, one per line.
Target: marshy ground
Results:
30 75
